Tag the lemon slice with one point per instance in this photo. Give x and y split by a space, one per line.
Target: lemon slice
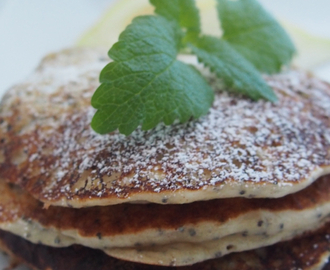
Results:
313 51
108 28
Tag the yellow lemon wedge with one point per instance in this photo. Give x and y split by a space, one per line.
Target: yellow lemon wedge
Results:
108 28
312 50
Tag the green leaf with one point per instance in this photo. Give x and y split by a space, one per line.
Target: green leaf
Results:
255 34
146 84
184 12
237 73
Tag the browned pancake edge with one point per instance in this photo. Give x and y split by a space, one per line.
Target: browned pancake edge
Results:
240 149
305 253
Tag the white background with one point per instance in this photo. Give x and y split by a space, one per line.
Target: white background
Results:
29 29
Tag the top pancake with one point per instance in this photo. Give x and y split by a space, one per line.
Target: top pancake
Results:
241 148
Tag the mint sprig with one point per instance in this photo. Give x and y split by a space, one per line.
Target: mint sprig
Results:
237 72
146 84
184 12
255 34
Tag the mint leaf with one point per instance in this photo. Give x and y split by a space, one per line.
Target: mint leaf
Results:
146 84
184 12
235 70
255 34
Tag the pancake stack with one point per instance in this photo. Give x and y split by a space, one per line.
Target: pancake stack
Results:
245 187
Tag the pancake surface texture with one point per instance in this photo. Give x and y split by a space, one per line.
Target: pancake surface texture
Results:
240 149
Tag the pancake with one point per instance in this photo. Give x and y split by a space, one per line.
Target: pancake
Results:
240 149
310 252
168 235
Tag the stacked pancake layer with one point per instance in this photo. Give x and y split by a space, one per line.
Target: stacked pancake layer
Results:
310 252
241 148
217 182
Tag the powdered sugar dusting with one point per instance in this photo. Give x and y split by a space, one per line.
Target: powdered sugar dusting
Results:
239 141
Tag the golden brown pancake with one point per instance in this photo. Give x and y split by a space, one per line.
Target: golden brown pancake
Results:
310 252
240 149
168 234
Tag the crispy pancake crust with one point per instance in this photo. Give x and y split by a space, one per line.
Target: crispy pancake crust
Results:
240 149
150 233
131 219
309 253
